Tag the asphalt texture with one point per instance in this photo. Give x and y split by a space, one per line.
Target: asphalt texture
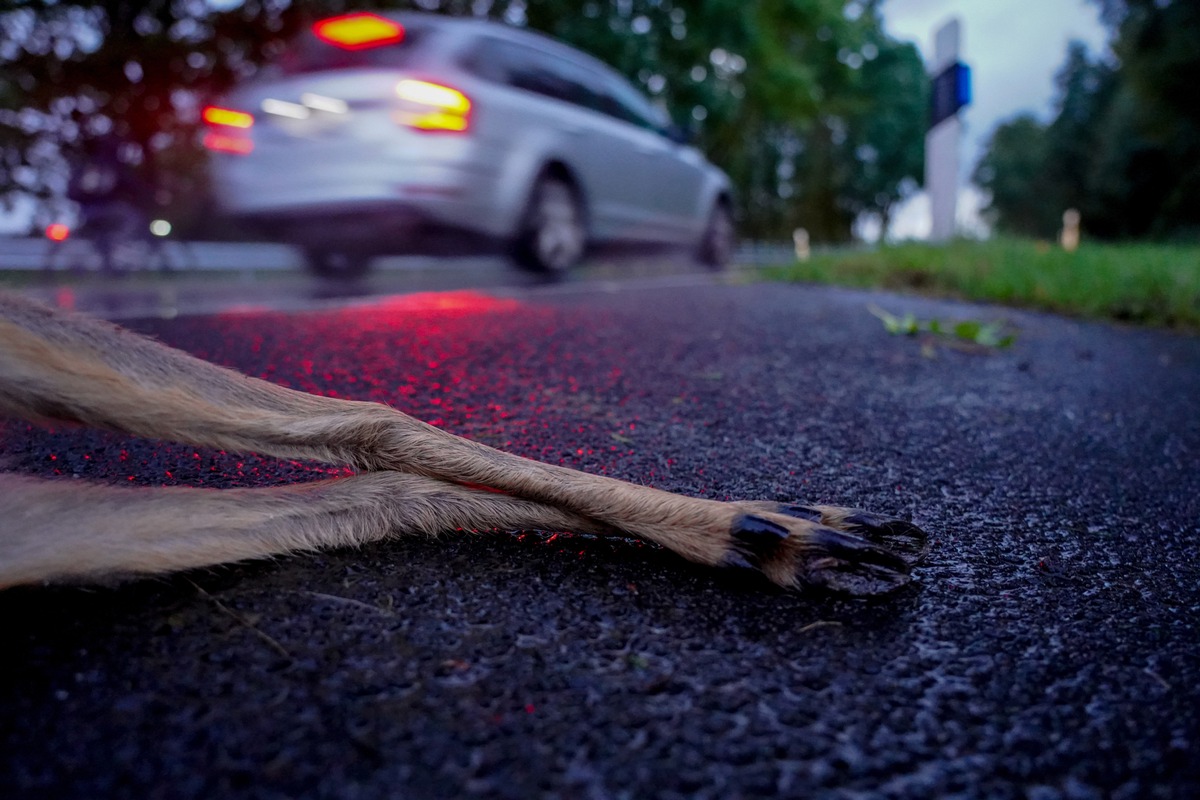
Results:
1049 647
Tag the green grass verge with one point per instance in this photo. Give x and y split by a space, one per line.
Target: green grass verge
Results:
1144 283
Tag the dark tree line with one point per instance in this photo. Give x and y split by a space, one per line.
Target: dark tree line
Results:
1124 145
816 113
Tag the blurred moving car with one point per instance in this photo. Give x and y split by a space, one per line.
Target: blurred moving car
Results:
374 134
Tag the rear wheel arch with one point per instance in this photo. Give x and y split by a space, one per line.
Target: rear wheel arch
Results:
552 231
719 238
556 168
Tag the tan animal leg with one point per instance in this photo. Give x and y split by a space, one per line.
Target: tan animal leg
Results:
72 530
59 366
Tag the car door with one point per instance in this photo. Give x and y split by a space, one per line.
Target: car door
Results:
607 153
675 173
548 106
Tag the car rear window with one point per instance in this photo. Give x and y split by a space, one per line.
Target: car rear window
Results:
308 53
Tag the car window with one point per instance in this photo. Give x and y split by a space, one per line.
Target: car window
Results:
550 75
307 53
533 70
628 104
544 74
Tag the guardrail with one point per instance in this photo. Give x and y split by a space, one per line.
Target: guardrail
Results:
30 253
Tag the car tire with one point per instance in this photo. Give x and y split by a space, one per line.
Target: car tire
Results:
337 263
552 236
719 240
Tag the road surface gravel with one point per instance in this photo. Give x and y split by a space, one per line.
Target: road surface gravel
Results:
1049 648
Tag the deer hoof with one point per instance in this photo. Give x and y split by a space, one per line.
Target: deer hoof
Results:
842 550
757 539
896 535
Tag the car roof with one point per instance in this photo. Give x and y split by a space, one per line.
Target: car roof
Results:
467 27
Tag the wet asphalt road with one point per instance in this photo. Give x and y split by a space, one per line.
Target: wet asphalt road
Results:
1051 646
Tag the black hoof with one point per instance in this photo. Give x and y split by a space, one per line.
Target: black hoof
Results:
757 539
849 551
902 538
843 563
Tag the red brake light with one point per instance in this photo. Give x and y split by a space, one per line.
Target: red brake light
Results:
432 107
214 115
57 232
358 31
230 130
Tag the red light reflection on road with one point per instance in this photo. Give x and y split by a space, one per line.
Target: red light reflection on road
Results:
238 145
514 374
446 301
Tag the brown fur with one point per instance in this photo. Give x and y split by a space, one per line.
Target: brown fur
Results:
413 478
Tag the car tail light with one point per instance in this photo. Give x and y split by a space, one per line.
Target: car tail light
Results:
358 31
57 232
432 107
229 130
227 117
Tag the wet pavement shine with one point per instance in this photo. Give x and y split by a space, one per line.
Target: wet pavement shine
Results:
1049 648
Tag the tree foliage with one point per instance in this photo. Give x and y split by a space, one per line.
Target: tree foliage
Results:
815 112
1124 144
72 72
1013 172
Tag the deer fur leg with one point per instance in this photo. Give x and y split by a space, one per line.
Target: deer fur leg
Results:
60 366
73 530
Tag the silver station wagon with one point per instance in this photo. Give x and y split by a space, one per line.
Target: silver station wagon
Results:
411 132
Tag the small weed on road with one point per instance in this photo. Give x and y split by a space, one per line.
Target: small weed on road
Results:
983 334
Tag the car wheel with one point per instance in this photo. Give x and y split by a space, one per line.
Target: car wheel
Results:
330 263
719 240
553 235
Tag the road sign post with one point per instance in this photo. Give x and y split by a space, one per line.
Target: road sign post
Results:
951 91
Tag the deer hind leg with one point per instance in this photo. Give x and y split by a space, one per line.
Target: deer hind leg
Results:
67 530
62 366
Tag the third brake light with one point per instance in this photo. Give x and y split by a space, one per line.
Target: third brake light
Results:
358 31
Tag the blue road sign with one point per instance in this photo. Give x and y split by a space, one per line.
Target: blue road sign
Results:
951 91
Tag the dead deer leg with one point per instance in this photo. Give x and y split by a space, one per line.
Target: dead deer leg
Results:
69 367
63 529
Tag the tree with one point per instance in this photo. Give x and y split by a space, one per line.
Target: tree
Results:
1085 93
1124 143
885 142
1158 46
1034 172
1012 171
73 72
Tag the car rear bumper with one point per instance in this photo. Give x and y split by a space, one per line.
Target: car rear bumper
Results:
369 227
340 195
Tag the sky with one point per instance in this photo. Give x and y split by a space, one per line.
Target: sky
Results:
1014 48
